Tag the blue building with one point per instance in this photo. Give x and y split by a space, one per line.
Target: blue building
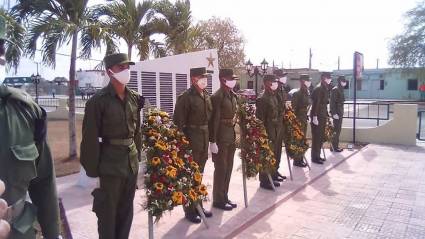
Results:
386 83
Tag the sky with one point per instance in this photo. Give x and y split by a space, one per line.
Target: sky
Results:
282 31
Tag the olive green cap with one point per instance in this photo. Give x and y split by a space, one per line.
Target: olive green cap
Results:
341 78
326 75
269 77
279 73
305 77
199 71
116 59
227 73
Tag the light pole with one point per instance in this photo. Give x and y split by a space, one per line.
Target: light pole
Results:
36 80
256 71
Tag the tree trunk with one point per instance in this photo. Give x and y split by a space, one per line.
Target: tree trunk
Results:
130 47
71 102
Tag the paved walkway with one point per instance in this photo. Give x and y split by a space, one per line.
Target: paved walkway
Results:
378 192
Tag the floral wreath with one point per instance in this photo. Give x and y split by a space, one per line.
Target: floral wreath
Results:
255 149
172 178
295 139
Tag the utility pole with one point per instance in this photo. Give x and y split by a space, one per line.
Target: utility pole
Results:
339 62
309 60
377 63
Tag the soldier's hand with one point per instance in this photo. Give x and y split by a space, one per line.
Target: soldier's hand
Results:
213 148
315 121
4 225
335 116
288 104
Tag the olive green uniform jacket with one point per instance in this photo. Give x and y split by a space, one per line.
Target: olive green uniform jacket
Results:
26 164
337 107
300 103
107 119
320 100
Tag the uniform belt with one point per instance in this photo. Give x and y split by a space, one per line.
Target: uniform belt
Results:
204 127
122 142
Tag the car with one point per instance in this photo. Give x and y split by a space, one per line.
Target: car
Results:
248 94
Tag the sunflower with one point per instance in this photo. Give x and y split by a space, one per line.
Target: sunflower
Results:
161 145
203 189
174 154
198 177
179 162
185 141
171 172
155 161
163 114
159 186
193 164
177 198
192 194
273 161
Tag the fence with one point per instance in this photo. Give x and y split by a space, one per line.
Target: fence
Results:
368 111
48 102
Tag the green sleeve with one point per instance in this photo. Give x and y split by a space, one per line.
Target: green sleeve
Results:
260 111
215 119
295 101
333 102
180 112
90 146
138 132
316 102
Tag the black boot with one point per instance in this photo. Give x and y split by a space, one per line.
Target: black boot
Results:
193 217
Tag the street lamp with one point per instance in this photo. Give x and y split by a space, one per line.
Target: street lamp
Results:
256 71
36 80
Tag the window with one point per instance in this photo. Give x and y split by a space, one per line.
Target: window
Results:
359 84
381 84
250 84
412 84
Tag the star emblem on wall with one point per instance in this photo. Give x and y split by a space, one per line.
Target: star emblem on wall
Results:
210 60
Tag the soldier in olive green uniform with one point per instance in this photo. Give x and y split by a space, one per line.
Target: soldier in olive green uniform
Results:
319 115
110 145
282 96
26 163
191 114
337 111
268 111
223 137
300 104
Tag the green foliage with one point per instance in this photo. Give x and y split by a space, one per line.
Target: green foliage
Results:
408 48
15 33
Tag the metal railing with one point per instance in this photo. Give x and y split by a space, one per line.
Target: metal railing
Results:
421 127
368 111
48 102
80 103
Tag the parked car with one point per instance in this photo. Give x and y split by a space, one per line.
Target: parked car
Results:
248 94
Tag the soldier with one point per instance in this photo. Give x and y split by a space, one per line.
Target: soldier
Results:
301 104
319 115
268 111
223 137
337 111
111 142
191 114
282 95
26 164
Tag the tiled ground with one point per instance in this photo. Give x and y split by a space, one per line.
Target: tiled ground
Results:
378 192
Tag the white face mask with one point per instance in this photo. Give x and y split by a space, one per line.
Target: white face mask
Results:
230 83
202 83
123 76
328 80
283 80
274 85
343 84
307 83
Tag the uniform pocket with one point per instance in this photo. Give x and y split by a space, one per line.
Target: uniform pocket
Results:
24 157
99 201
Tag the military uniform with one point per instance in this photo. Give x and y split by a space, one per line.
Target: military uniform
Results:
337 108
191 114
222 122
300 104
282 97
320 100
269 112
111 142
26 165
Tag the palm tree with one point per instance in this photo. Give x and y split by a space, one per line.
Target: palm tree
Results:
134 23
177 21
58 23
15 32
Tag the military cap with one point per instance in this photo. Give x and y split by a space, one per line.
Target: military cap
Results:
200 71
227 73
279 73
305 77
116 59
326 74
341 78
269 77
